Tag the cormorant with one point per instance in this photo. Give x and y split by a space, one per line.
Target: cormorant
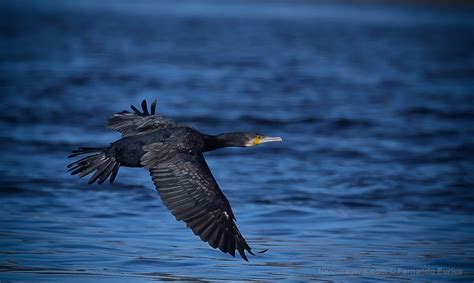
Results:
173 154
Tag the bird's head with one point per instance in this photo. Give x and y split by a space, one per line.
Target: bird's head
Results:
237 139
253 139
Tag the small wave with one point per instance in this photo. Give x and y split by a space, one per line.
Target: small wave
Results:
280 122
455 153
416 112
345 123
12 190
359 204
421 135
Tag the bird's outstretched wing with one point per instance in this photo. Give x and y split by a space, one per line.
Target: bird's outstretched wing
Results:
186 186
139 123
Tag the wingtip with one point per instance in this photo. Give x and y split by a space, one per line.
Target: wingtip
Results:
243 255
135 109
153 107
250 250
145 107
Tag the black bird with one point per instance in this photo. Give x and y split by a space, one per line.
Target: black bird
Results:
173 153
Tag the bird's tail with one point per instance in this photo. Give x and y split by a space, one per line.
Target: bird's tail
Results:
96 160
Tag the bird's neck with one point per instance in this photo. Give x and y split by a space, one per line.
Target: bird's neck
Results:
219 141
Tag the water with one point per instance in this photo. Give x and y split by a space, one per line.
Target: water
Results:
374 179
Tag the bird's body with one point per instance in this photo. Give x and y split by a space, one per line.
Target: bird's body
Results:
173 154
129 150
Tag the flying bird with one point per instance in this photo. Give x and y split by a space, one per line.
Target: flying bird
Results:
173 154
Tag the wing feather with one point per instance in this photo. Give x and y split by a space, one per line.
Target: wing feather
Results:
139 122
186 186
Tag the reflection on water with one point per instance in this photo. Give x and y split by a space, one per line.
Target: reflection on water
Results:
373 182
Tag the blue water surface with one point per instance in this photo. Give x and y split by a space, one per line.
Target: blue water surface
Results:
374 180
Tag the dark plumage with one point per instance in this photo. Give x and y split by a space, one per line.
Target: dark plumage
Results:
173 154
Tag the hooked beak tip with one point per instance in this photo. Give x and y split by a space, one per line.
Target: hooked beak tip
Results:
272 139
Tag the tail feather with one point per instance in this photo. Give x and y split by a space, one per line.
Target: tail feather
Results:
114 172
103 165
83 150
